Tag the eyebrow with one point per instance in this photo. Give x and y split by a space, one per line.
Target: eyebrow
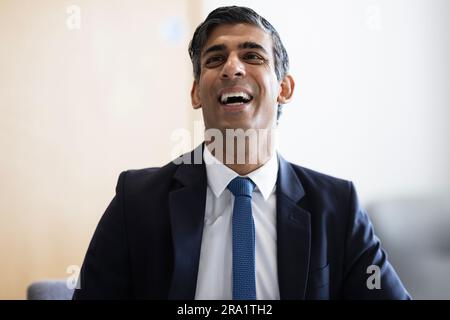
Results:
245 45
214 48
252 45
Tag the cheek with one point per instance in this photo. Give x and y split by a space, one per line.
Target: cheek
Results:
205 88
270 87
272 92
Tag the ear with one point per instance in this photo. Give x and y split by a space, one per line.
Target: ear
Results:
286 89
195 96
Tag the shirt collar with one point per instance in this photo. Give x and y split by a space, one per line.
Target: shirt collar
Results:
219 175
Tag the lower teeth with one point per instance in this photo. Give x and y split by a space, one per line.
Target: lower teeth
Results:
234 103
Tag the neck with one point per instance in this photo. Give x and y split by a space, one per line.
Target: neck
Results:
244 154
243 169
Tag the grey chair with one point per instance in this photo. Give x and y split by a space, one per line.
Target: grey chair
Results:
49 290
415 233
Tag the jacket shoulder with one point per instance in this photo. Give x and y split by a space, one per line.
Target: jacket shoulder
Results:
314 180
135 180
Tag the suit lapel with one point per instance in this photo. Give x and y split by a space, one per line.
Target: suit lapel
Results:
187 211
293 234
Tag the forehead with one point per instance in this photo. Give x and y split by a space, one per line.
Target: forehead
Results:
232 35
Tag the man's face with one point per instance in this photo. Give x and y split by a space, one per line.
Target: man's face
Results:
238 87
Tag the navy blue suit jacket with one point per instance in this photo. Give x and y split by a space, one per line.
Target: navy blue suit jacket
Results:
147 244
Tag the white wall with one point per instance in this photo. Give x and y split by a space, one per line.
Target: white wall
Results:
372 95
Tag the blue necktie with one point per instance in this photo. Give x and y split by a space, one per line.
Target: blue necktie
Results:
244 283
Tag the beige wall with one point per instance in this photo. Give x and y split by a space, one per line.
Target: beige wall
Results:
78 106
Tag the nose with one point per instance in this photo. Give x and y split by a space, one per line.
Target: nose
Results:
232 68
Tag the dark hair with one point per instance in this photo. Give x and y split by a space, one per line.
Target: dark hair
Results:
234 15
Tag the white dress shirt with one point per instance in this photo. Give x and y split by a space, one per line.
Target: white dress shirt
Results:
214 279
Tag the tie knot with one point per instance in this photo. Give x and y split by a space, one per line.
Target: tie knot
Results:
241 187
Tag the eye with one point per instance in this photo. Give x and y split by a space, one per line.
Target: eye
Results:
254 58
214 61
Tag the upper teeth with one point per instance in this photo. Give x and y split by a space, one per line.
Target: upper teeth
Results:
225 96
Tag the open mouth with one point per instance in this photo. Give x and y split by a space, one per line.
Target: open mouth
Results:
235 98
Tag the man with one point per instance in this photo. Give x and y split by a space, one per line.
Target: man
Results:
232 225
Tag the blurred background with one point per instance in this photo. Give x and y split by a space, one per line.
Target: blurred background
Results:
89 88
